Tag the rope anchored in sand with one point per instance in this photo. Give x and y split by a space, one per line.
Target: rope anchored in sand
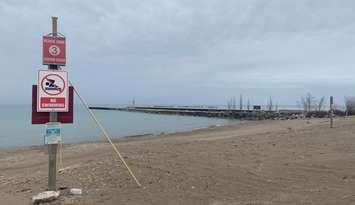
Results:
104 132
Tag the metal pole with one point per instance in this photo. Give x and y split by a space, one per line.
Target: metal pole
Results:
53 117
331 111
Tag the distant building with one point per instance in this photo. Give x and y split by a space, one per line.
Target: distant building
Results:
256 107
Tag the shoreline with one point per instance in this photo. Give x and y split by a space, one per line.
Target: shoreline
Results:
19 132
127 138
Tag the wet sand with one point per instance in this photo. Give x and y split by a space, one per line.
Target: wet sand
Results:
264 162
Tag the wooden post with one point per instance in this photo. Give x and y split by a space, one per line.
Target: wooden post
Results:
53 117
331 111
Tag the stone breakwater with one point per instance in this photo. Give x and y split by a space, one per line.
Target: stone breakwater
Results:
227 113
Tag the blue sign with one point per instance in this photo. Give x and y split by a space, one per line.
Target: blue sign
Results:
52 133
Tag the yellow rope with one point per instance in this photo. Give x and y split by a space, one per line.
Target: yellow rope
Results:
106 135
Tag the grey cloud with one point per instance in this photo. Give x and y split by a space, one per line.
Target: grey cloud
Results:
179 51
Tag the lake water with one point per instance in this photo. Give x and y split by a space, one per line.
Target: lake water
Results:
16 129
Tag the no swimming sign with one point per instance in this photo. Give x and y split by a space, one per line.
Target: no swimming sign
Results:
52 92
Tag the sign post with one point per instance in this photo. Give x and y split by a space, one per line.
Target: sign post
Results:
52 148
331 111
52 97
52 101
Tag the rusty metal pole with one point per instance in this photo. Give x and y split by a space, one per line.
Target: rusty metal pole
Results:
331 111
53 117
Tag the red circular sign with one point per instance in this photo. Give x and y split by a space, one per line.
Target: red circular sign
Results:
53 84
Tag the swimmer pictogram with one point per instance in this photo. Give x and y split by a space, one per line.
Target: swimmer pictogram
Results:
53 84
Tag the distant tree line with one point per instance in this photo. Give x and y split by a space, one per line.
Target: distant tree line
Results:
310 103
350 105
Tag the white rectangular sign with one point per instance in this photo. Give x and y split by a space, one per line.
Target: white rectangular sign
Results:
52 91
53 133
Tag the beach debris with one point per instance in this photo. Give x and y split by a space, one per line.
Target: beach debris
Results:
45 197
25 190
63 187
75 191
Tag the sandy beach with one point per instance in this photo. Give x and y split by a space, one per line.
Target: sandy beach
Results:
264 162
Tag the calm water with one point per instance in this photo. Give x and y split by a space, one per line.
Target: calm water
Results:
16 129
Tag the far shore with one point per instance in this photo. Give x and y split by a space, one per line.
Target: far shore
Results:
260 162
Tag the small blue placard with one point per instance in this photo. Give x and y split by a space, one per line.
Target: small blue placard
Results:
52 133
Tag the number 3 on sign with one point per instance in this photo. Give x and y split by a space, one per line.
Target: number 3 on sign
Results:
54 50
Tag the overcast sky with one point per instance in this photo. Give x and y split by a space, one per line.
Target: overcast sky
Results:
184 52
